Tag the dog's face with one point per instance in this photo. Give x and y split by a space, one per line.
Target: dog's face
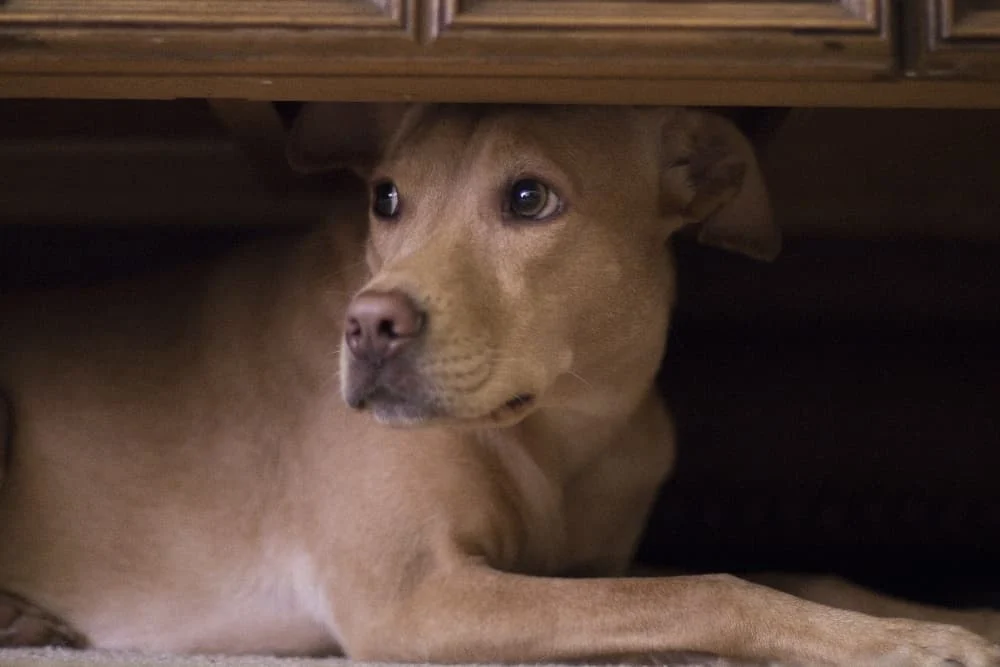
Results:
519 259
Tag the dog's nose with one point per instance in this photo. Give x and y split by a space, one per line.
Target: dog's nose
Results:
380 324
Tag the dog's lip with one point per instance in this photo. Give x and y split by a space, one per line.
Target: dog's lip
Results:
374 396
516 405
384 402
394 409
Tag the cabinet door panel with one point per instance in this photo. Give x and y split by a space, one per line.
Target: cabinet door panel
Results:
210 37
762 14
673 38
216 13
958 39
969 19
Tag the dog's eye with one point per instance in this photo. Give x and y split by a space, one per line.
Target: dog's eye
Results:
385 200
531 199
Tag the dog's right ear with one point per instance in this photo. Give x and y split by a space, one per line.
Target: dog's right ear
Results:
334 135
710 177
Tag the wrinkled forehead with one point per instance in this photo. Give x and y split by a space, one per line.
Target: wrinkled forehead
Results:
457 139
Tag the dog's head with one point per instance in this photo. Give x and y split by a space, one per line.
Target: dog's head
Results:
519 255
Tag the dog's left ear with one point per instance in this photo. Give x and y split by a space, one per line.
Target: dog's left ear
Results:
709 176
333 135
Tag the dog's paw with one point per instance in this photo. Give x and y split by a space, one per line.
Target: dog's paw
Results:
985 622
920 644
24 624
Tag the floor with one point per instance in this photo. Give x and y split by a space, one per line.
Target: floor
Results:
70 658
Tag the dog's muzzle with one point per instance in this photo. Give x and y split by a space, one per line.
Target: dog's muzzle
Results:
385 335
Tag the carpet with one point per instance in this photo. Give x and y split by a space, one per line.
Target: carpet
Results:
72 658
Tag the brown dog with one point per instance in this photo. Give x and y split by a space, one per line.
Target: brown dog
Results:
186 476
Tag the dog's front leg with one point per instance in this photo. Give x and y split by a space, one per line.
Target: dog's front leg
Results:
426 568
471 613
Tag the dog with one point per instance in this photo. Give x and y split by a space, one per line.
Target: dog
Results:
434 440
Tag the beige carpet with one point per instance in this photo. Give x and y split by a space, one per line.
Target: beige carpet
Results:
69 658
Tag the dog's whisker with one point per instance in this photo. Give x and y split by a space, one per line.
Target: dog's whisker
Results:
582 379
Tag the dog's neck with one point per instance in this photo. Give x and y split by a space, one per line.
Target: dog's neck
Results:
565 440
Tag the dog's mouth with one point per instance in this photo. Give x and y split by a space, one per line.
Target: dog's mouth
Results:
517 406
396 410
396 395
393 410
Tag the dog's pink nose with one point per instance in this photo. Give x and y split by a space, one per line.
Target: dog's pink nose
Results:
380 324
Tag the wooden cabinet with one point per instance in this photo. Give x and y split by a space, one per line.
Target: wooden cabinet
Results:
959 39
757 52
